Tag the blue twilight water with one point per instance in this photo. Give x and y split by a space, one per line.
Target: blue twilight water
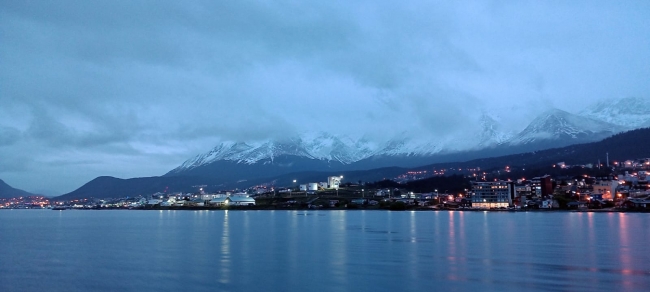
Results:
45 250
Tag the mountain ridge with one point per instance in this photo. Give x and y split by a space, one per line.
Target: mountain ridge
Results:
618 146
630 112
552 128
7 191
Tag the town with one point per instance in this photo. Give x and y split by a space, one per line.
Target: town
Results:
621 186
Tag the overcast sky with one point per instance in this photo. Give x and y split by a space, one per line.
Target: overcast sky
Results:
134 88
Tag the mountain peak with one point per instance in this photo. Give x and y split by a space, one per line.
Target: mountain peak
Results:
630 112
557 124
491 133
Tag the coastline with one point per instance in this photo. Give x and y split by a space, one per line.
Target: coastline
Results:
265 208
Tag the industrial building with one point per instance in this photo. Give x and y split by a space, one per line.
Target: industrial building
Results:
333 182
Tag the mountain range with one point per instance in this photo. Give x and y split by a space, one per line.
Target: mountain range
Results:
620 146
327 151
243 163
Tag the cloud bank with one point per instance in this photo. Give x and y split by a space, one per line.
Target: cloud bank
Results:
133 88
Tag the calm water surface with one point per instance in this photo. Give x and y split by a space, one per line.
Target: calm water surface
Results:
45 250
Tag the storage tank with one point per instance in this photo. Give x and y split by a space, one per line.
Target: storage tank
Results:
313 187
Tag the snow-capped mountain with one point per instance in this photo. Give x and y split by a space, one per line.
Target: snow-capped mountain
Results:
327 151
492 133
561 126
324 147
247 153
631 112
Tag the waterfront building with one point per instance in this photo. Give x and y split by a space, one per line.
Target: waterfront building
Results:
495 194
241 201
542 186
524 192
233 201
606 188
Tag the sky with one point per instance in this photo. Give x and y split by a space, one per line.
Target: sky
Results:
134 88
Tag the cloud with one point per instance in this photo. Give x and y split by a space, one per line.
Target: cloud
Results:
86 81
8 136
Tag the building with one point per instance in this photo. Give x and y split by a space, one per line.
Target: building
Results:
524 192
312 187
233 201
542 186
495 194
309 187
606 188
333 182
241 201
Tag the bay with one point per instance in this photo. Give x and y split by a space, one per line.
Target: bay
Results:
127 250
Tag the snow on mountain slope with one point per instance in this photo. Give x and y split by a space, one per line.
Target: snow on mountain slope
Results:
325 146
409 147
320 146
552 125
248 153
631 112
223 151
558 124
491 133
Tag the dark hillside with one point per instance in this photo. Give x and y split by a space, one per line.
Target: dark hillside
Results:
627 145
6 191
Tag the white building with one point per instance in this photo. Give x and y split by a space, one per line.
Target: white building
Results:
241 201
312 187
154 202
333 182
233 201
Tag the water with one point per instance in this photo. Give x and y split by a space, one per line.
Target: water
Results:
45 250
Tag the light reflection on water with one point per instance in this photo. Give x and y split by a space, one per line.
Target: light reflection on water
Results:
45 250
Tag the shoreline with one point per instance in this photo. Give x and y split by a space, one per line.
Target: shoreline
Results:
238 208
